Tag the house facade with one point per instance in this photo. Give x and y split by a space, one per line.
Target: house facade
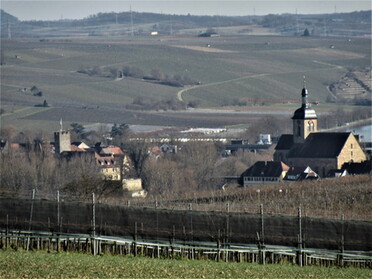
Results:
264 172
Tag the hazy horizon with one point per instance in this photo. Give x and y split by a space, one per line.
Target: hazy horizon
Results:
56 10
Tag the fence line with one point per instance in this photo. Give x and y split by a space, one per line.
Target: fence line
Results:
267 254
222 237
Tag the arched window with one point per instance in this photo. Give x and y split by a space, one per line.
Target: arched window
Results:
310 126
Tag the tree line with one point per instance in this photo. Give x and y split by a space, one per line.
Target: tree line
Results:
136 72
197 166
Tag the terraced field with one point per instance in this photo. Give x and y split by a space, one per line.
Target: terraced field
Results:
228 68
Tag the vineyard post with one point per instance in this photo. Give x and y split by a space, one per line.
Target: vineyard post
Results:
135 240
7 231
31 211
191 229
58 221
261 238
341 255
299 253
218 245
262 224
227 229
157 227
94 224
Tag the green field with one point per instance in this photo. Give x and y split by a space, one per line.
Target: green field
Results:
233 67
61 265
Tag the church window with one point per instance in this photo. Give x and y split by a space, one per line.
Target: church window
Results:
299 130
310 126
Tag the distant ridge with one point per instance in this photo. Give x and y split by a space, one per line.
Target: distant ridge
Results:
338 24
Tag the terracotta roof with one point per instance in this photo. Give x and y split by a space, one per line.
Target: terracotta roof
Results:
112 150
107 161
320 145
285 142
266 169
75 148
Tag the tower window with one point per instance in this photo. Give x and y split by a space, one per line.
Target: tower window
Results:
310 126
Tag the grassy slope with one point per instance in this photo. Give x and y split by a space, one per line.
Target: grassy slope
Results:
252 68
42 265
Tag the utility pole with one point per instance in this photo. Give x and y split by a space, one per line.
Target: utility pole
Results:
131 21
171 26
297 28
9 32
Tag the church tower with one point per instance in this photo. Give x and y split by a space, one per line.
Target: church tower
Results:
62 140
304 119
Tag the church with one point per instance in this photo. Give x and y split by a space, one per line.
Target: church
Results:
321 151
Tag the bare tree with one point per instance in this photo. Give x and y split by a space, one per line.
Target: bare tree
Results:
157 74
138 151
200 159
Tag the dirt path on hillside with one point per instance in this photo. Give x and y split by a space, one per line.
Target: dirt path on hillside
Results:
184 90
179 94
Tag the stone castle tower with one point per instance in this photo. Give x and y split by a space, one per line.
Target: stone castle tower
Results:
62 141
305 120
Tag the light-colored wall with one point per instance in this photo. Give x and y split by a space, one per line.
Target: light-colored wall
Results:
263 180
62 141
132 184
304 129
351 152
112 173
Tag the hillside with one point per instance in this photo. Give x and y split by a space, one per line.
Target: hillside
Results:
94 71
228 71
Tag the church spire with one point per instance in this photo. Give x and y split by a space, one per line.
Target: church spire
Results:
305 103
304 119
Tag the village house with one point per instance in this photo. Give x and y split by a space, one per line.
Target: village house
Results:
358 168
264 172
113 163
300 174
322 152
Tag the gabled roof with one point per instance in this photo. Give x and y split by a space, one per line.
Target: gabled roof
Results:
76 148
80 144
112 150
320 145
358 168
300 173
266 169
285 142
